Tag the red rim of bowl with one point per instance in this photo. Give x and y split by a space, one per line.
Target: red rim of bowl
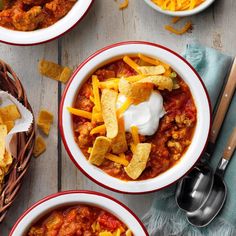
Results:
51 39
79 192
73 76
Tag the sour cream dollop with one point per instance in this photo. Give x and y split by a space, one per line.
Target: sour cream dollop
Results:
145 115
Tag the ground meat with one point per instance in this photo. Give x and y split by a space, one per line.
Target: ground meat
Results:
28 15
105 74
26 21
84 138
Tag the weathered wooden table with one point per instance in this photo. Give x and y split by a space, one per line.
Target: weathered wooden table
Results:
103 25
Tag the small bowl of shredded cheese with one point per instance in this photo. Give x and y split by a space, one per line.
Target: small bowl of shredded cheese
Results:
179 7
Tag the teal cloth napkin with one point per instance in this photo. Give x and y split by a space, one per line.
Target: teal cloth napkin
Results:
164 217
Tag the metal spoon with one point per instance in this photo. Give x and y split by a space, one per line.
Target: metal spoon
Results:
193 189
216 199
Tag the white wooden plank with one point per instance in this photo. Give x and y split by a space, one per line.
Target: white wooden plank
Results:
42 177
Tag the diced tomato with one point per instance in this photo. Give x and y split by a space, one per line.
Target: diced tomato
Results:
108 221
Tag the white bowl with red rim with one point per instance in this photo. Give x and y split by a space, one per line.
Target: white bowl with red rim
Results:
191 12
44 35
73 198
188 74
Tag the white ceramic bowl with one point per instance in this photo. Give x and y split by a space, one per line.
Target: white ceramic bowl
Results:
194 11
189 75
47 34
70 198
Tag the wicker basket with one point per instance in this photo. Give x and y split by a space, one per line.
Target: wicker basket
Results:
25 142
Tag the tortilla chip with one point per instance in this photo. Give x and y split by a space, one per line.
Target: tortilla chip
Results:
96 93
124 87
6 162
137 92
162 82
119 144
39 147
10 124
3 134
135 135
108 102
138 161
1 178
9 113
50 69
152 70
100 148
1 120
65 75
128 233
45 120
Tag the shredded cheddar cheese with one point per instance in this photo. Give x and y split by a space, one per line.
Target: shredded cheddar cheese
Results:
152 61
99 129
178 5
118 159
124 107
90 149
110 84
124 4
78 112
176 19
168 73
187 26
96 116
135 136
131 63
95 84
91 98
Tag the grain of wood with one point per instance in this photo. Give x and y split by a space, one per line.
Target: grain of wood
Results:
41 179
104 24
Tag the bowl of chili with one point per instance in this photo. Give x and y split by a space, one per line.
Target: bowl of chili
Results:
29 22
80 213
179 9
169 129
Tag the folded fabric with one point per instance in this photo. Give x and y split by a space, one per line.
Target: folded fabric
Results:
164 217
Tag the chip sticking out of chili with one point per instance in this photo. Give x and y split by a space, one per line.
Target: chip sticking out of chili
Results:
136 92
160 81
152 70
139 160
100 148
108 102
119 143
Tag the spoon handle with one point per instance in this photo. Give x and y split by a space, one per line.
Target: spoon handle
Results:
229 150
227 154
224 103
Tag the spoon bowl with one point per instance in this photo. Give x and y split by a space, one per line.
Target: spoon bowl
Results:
192 191
212 206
